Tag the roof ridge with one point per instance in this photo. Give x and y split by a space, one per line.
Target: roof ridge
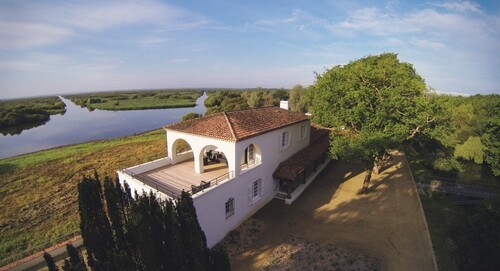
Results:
253 108
231 128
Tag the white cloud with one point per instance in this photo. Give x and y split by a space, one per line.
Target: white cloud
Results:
30 25
19 66
460 6
153 41
20 35
180 60
427 44
104 15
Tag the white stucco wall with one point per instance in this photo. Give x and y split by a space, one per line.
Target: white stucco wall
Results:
210 206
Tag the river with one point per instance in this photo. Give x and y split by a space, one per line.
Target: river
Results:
79 125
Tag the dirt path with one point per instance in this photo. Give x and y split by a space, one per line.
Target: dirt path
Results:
387 223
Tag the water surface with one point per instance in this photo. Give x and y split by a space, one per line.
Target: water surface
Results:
79 125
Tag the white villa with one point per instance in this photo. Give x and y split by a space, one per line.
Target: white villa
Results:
233 163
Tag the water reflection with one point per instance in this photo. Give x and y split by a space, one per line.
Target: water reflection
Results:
18 129
79 125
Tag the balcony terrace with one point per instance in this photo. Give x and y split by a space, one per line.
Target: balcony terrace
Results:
173 179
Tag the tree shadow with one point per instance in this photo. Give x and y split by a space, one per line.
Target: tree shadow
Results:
387 223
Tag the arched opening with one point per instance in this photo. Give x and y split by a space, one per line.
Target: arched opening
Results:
182 150
251 157
213 160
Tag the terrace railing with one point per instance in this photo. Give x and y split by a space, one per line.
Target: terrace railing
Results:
197 188
160 186
175 193
250 164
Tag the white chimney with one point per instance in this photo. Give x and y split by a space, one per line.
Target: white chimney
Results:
284 105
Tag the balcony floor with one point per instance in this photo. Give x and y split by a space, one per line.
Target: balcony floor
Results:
178 177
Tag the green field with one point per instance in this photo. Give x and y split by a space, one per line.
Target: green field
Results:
136 100
38 195
29 111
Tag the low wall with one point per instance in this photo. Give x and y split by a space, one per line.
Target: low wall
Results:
149 166
140 186
183 156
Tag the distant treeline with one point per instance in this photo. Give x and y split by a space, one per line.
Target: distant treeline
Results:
136 100
29 110
226 100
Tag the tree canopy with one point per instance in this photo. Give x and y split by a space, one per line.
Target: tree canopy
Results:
298 99
374 103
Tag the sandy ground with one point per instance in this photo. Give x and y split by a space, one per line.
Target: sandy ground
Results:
332 218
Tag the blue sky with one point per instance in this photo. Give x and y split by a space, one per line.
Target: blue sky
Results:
50 47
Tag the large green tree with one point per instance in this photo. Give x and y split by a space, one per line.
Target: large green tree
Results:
374 103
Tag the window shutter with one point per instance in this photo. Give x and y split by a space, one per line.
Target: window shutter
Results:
250 194
261 186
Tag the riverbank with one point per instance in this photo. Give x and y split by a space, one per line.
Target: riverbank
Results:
136 100
38 195
28 111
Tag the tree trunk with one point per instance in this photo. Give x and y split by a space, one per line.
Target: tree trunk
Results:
368 169
366 182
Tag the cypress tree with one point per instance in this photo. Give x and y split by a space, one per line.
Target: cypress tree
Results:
170 236
140 233
219 259
94 224
113 204
194 254
146 225
50 262
75 261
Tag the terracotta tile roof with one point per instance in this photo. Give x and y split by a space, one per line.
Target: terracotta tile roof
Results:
240 124
295 165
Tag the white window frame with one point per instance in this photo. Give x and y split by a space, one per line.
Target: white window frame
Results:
255 191
302 132
284 140
229 207
251 152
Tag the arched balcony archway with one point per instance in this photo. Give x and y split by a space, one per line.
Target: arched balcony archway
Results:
213 159
182 151
252 157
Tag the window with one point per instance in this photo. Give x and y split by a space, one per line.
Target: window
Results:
255 191
302 131
250 152
229 207
285 137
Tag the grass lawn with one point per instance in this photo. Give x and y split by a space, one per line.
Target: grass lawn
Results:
38 195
